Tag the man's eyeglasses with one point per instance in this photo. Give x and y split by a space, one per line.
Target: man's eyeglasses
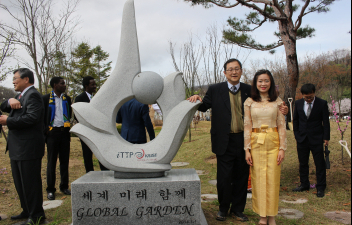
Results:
15 78
236 69
309 97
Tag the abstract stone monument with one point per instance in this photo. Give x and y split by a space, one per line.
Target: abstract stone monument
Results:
141 188
97 119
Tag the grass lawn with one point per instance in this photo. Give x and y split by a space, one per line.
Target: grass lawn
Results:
198 154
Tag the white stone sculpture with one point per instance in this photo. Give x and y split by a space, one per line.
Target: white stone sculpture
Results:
97 126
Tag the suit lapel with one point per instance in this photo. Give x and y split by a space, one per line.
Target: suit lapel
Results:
244 96
224 93
301 108
88 100
315 108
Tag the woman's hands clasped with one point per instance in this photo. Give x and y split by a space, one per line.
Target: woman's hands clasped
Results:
249 158
280 158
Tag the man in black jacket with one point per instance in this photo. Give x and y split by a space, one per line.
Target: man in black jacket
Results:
89 86
311 127
226 100
58 112
26 144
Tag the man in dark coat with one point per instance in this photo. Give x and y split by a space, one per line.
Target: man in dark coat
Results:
134 117
58 113
227 137
311 127
90 87
26 144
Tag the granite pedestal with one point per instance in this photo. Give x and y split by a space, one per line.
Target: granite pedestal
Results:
99 198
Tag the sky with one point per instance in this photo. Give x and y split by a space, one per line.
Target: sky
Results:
161 21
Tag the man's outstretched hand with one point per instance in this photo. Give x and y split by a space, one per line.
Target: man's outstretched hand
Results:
194 98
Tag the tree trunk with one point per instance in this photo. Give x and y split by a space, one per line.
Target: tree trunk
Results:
288 36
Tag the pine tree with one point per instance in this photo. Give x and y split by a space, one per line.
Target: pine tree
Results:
88 61
83 66
273 11
101 68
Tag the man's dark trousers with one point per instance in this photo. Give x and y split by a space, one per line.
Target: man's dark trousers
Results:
232 175
58 144
88 159
25 173
303 150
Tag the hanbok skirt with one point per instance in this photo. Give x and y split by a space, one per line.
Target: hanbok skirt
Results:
265 173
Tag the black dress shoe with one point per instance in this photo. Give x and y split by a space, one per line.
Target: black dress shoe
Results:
19 217
301 188
51 196
34 221
221 216
66 191
240 216
320 194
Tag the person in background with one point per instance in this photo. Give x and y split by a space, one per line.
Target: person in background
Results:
265 145
311 127
90 87
58 113
26 145
134 117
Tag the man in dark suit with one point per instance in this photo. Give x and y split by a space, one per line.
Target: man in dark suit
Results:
226 100
134 117
26 144
90 87
58 111
312 129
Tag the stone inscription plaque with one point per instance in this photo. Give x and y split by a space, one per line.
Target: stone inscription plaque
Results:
99 198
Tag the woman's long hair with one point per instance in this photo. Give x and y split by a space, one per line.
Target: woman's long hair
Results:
273 95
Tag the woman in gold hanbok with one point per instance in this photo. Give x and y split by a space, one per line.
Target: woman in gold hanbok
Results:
265 145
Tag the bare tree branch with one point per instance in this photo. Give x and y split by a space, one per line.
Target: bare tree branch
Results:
300 17
280 14
41 32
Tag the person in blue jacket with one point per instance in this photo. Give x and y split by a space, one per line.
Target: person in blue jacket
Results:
134 117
